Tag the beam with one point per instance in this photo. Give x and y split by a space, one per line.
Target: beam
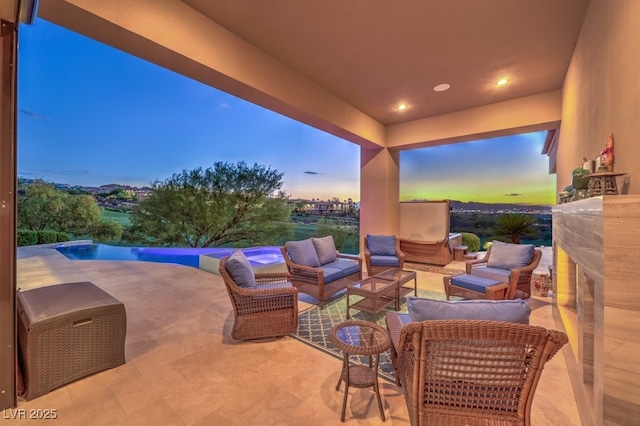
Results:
522 115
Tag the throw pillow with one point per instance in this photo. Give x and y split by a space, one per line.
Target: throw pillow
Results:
382 245
302 252
510 256
325 249
421 309
239 268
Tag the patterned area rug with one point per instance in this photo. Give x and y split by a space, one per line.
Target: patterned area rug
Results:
314 326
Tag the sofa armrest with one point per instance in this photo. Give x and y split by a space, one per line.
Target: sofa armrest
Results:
349 257
394 327
271 277
468 265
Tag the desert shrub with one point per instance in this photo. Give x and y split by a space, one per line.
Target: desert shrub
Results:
61 237
471 241
106 230
47 237
27 237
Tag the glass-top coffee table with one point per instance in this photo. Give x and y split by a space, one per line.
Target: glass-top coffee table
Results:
376 293
402 277
360 338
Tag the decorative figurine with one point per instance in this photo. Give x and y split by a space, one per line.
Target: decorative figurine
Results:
607 155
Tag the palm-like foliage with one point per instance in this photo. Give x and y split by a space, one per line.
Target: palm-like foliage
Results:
515 226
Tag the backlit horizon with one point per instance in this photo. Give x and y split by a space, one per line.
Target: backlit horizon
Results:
91 115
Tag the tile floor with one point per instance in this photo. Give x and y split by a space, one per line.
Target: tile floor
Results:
183 368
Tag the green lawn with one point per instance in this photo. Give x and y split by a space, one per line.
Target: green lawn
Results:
120 218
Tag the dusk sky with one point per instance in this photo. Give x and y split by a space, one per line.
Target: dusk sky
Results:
92 115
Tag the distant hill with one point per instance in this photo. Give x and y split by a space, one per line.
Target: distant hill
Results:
460 205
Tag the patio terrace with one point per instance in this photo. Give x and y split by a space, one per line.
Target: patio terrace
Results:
183 369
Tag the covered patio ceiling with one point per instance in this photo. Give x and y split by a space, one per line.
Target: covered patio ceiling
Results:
345 66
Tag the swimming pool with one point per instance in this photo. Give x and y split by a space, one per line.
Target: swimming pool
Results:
258 256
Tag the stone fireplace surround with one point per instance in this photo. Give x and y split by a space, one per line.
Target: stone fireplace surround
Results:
596 259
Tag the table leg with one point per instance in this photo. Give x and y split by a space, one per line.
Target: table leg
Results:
376 388
348 315
345 370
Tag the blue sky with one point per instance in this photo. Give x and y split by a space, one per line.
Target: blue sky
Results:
91 115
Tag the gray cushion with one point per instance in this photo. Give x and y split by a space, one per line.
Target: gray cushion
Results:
472 282
325 249
510 256
347 267
385 260
331 274
421 309
497 274
382 245
239 268
269 286
302 252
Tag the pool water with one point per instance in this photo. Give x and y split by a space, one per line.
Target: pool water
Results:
258 256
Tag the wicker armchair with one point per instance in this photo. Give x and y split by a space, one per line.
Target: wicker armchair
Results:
470 372
267 311
519 279
379 264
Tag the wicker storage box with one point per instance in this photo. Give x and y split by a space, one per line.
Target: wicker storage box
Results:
68 331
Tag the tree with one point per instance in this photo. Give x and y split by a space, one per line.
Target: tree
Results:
39 205
106 230
515 226
42 206
340 233
228 203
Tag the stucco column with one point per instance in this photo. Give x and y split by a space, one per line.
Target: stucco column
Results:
379 192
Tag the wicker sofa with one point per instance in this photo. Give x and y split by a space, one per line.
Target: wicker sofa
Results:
457 369
318 269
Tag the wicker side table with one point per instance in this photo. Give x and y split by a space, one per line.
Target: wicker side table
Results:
360 338
66 332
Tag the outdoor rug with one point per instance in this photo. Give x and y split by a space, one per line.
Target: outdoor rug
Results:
314 325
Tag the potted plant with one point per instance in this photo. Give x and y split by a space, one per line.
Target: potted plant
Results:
579 179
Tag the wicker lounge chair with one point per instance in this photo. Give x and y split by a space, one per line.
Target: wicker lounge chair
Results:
381 262
269 310
470 372
518 279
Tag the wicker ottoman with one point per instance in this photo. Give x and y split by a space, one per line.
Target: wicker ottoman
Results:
66 332
474 287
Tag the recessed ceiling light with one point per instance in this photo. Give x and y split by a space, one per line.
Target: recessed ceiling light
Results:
441 87
502 82
402 106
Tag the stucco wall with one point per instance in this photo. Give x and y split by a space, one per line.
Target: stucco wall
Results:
601 92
